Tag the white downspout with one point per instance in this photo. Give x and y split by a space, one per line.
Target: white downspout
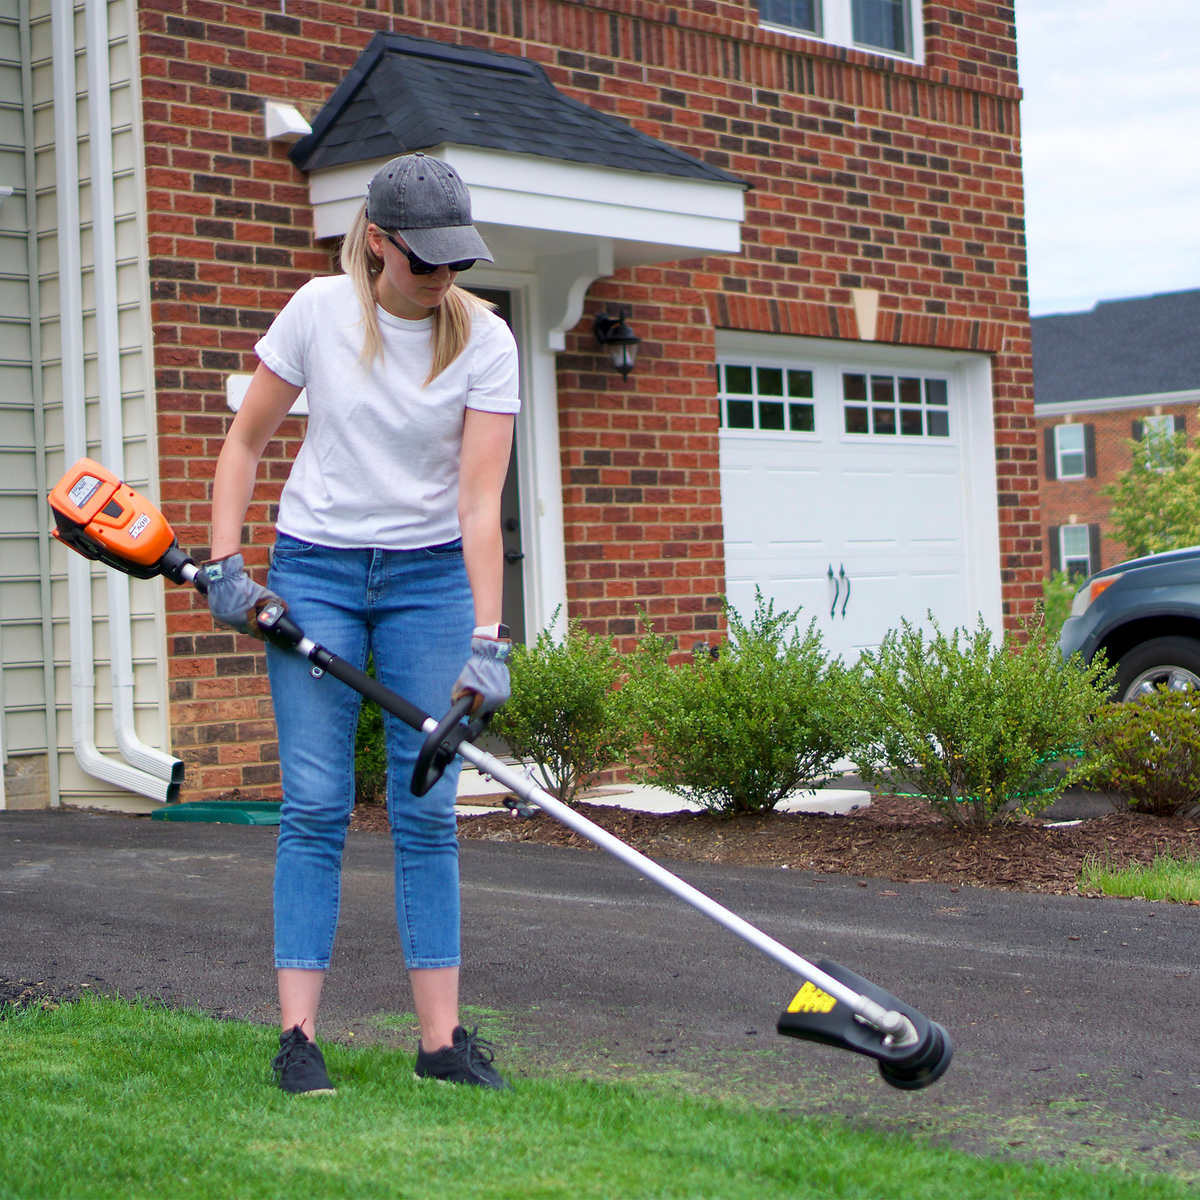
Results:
112 426
79 575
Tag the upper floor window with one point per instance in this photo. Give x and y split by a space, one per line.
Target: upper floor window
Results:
888 25
1158 435
1069 448
1070 452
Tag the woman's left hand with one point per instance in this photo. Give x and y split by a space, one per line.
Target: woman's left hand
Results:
486 674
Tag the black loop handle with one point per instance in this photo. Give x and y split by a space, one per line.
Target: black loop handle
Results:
439 747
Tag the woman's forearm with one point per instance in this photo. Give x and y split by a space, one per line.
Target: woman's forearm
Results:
233 486
264 406
483 555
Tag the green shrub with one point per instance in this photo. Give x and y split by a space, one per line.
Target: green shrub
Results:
370 752
979 729
567 714
738 731
1058 590
1151 752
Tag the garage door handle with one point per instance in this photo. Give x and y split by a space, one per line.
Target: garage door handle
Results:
846 601
837 588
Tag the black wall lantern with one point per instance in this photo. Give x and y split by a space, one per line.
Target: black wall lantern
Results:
621 342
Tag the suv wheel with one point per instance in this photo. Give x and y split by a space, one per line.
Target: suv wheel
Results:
1173 662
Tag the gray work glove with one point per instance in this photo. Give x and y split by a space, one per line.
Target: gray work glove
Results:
486 674
234 598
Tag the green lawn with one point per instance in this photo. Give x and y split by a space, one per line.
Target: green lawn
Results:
100 1098
1166 878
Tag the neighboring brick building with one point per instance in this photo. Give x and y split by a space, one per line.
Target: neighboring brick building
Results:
1102 378
833 397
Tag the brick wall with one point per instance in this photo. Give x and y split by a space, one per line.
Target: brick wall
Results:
865 172
1081 501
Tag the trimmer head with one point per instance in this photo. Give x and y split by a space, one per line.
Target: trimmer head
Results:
815 1016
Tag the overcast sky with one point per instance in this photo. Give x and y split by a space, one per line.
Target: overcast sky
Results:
1111 133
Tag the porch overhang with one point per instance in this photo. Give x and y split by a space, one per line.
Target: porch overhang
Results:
528 207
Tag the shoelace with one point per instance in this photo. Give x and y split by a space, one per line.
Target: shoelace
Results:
292 1049
478 1049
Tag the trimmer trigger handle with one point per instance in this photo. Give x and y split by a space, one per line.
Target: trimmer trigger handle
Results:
276 626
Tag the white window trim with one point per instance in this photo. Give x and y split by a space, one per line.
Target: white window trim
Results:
836 28
1059 473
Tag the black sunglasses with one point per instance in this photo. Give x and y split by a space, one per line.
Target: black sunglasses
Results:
419 266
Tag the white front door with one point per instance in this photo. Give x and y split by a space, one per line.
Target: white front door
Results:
849 492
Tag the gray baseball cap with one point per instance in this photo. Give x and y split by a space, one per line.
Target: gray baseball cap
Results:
428 205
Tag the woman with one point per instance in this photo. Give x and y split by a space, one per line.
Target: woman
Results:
387 541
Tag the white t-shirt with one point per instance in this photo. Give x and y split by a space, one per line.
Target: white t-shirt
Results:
379 463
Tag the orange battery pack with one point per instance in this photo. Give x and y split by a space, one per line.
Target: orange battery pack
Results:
103 518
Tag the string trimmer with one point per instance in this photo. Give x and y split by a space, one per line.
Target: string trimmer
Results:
104 519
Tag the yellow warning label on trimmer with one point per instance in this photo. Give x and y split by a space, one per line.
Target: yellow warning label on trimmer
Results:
810 999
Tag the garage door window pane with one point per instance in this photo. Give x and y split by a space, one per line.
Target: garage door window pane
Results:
910 422
883 420
770 381
770 415
800 384
802 417
937 424
854 387
740 414
856 419
738 379
935 392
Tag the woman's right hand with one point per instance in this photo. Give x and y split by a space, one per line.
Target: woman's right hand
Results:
234 599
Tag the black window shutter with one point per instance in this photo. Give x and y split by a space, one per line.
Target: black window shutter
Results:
1089 451
1181 424
1055 553
1093 548
1139 431
1049 455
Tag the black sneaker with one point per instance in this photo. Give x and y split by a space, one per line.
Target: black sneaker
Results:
468 1060
300 1067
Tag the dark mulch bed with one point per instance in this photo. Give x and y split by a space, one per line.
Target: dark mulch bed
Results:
895 838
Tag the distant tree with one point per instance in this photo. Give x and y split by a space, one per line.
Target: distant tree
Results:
1156 502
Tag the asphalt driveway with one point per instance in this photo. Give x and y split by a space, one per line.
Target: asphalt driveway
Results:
1073 1020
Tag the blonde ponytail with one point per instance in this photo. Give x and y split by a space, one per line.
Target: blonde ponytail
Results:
451 319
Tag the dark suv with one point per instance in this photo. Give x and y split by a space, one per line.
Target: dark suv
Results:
1145 615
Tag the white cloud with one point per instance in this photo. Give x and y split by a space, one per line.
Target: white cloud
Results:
1111 137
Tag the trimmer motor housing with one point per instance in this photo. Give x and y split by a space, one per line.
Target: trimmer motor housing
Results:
106 520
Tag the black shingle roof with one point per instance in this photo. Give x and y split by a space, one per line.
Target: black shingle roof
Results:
1138 347
407 93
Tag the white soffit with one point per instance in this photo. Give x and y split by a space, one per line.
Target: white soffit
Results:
527 207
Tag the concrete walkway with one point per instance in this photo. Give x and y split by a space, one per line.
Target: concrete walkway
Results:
479 795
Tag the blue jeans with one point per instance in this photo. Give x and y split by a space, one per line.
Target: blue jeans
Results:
413 610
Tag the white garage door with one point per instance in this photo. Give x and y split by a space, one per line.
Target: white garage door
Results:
849 491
